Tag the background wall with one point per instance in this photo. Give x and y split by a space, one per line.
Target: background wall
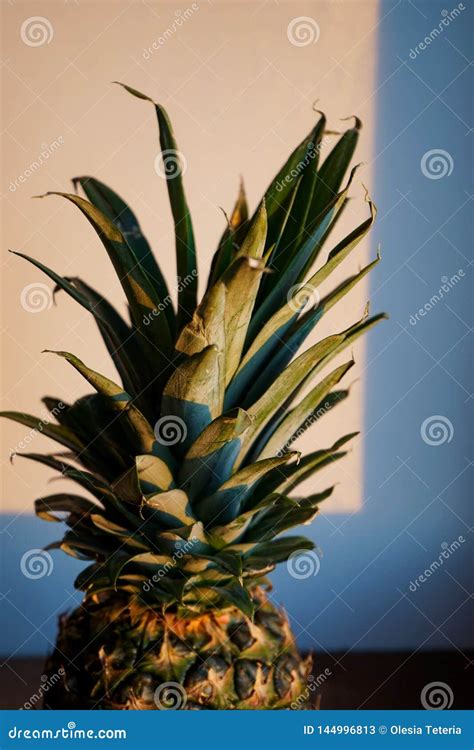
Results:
240 95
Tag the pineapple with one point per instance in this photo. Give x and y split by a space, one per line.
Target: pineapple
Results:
188 461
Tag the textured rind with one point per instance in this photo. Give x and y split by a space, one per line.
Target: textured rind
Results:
115 653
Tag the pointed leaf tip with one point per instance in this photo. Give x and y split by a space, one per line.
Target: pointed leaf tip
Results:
367 197
134 92
357 123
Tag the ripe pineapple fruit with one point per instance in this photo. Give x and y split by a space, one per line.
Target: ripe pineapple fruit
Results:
188 460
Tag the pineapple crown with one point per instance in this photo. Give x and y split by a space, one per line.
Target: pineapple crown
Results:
188 460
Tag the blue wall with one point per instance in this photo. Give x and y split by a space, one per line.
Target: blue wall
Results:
417 496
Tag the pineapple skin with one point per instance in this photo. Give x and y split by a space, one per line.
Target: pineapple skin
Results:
113 652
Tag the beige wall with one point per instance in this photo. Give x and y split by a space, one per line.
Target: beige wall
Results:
240 97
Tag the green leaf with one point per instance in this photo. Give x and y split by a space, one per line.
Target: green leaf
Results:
153 474
126 486
354 332
333 169
226 503
278 340
237 596
225 250
128 539
205 328
185 244
59 433
117 563
120 213
268 409
295 226
118 399
278 550
282 185
118 337
229 533
229 561
121 342
282 355
241 280
194 394
171 508
210 460
75 505
343 248
284 514
107 436
292 476
276 231
282 326
90 574
259 354
142 298
296 261
322 408
284 345
253 245
312 501
346 286
293 421
99 489
298 372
